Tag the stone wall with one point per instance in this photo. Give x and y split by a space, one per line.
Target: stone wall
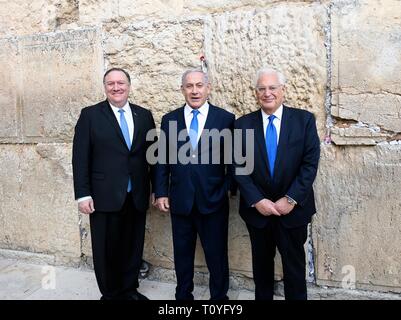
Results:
342 60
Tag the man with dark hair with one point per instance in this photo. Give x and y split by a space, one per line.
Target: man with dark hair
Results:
112 184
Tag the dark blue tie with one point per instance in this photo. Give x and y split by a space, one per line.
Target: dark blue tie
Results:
271 143
193 129
125 131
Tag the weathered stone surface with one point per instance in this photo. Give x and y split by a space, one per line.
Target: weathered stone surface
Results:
358 220
219 6
86 239
290 38
22 17
68 69
93 11
34 15
382 110
156 54
37 208
366 45
9 98
366 50
357 134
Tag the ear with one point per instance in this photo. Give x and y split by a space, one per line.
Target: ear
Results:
209 87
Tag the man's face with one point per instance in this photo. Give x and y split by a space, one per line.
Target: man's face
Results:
195 90
269 93
117 88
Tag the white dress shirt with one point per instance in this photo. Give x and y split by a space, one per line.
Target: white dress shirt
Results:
202 116
128 118
276 121
130 123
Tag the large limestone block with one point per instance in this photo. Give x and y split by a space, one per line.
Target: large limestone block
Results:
357 229
218 6
158 239
21 17
37 208
289 37
9 98
366 59
156 54
61 73
366 46
94 11
382 110
358 133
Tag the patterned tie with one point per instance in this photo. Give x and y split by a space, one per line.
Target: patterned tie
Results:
125 131
193 129
271 143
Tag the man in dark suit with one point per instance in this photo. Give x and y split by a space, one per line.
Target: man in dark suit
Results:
112 184
277 200
194 186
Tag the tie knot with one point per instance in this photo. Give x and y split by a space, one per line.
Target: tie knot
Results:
195 112
121 111
272 117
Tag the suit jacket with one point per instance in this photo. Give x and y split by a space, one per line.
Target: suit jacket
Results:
102 162
295 168
204 185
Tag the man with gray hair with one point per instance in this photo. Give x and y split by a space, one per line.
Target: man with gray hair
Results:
277 200
195 191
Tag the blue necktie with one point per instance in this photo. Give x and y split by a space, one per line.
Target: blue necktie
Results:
125 131
271 143
193 129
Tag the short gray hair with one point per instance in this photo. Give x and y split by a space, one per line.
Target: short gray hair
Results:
184 75
267 70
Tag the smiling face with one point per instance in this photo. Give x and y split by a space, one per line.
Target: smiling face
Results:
269 92
195 89
117 87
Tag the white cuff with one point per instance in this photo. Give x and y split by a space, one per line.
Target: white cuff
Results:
83 199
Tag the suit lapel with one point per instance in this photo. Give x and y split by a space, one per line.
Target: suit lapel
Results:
108 113
211 118
137 126
181 126
283 141
209 124
260 138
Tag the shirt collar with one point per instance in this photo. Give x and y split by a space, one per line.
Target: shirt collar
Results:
278 113
126 107
202 110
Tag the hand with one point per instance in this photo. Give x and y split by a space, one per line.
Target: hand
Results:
266 207
283 206
86 206
163 204
153 199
